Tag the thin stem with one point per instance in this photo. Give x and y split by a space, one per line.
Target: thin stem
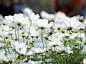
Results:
23 39
15 32
42 38
18 33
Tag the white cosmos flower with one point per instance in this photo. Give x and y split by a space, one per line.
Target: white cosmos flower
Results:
23 50
6 28
84 60
42 23
72 36
29 52
84 49
2 44
1 18
47 16
27 10
20 47
55 42
2 56
70 24
85 22
19 18
58 17
14 43
60 48
12 57
68 50
4 34
33 17
9 19
38 50
48 60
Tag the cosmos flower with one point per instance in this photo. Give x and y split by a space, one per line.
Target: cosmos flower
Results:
42 23
2 56
38 50
84 61
71 24
58 17
27 11
47 16
17 18
33 17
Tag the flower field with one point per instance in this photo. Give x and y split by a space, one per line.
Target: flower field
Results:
28 38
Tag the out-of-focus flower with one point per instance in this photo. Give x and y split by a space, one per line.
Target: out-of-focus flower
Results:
1 18
85 22
29 52
19 18
71 24
55 42
68 50
20 47
2 56
47 16
27 10
33 17
58 17
12 57
42 23
38 50
84 61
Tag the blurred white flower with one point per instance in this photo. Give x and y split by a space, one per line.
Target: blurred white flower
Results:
9 19
2 44
19 18
55 42
29 52
42 23
2 56
20 47
1 18
68 50
6 28
84 49
12 57
4 34
38 50
84 61
71 24
59 16
23 50
27 10
85 22
47 16
33 17
48 60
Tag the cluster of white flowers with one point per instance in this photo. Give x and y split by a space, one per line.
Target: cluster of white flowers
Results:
27 39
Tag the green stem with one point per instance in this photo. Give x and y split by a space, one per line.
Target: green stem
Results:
23 39
42 38
46 43
62 59
36 57
15 32
18 33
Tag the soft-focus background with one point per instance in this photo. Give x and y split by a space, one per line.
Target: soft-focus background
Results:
36 5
